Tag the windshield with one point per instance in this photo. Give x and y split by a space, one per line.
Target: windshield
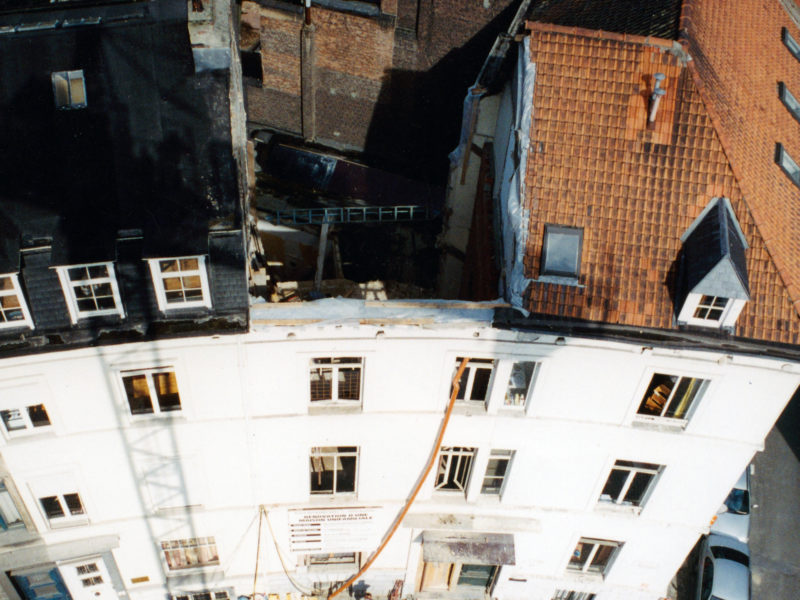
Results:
738 502
730 554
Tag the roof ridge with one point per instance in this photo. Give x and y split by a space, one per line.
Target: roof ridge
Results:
685 40
649 40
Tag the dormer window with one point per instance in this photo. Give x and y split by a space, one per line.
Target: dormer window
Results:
561 251
180 282
13 310
790 43
713 269
90 290
788 164
69 89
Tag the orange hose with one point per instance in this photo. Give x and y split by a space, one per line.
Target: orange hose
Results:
431 461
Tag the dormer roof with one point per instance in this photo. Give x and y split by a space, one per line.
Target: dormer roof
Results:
714 261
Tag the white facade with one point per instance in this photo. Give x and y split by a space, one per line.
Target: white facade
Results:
245 427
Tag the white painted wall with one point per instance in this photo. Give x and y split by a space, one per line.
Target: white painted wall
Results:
243 437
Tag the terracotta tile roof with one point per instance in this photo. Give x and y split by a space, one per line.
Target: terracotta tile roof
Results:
593 164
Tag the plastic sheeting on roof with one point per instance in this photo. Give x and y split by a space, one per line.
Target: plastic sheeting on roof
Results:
512 194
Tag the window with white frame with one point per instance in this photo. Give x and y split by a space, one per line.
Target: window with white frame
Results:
90 290
180 282
475 379
710 308
593 556
63 509
519 383
455 464
570 595
9 514
497 471
190 553
334 380
670 396
24 419
13 309
69 89
334 469
629 483
151 391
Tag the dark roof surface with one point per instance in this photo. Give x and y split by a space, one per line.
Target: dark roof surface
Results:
657 18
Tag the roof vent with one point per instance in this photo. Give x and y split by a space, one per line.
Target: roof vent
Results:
655 99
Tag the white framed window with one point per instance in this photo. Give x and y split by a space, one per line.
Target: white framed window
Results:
24 419
63 509
180 282
69 89
593 556
191 553
13 309
475 382
334 469
336 380
455 465
703 310
497 470
90 290
10 517
519 383
151 391
670 397
629 483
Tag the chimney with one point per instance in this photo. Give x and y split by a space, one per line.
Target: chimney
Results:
655 99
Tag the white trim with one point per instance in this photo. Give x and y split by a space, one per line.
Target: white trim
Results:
729 314
16 290
159 277
68 288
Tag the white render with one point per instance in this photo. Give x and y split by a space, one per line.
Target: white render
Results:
245 429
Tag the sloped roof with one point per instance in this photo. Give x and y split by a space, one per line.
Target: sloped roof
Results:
737 64
637 17
714 256
593 164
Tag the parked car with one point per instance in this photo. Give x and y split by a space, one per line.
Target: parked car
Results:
733 518
724 569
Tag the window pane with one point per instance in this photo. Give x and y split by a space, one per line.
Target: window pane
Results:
349 383
189 264
602 557
476 575
615 483
8 510
52 507
684 396
38 415
12 419
78 273
168 266
321 384
346 477
74 504
657 394
580 555
98 271
462 382
77 93
167 391
480 384
518 383
138 394
638 487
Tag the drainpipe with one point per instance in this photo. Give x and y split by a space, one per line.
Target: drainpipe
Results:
307 72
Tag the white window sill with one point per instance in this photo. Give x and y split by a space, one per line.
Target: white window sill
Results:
619 509
659 424
560 280
332 499
322 407
37 434
583 577
63 523
468 408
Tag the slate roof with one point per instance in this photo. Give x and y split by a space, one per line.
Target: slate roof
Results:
593 164
145 170
657 18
